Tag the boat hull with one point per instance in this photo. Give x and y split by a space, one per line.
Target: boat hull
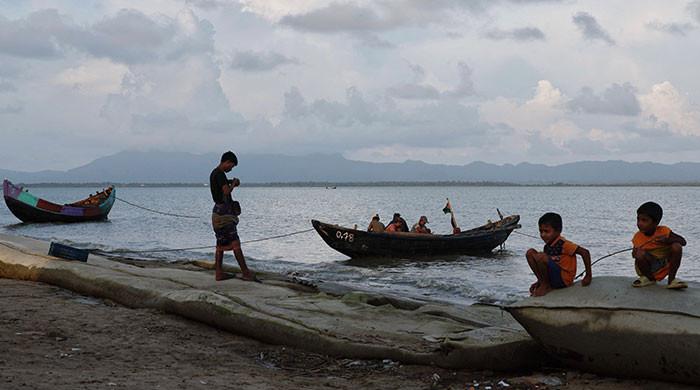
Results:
359 244
654 339
30 209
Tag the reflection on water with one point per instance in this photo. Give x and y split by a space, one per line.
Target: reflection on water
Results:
602 219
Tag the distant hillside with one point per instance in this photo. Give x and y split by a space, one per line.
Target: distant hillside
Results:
172 167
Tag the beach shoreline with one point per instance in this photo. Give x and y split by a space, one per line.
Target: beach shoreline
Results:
61 339
57 339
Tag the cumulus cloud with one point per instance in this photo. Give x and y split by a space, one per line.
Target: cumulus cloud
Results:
517 34
358 121
418 90
128 37
665 108
694 10
39 35
414 91
679 29
590 28
13 108
209 4
615 100
541 111
95 76
6 86
337 17
255 61
374 16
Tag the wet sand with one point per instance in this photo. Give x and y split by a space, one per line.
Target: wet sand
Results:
55 339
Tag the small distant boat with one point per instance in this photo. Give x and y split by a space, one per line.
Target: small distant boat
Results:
358 244
29 208
614 329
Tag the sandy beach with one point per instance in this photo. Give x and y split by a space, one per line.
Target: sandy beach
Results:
55 339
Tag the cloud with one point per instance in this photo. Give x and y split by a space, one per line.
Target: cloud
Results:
252 61
541 111
128 37
14 108
679 29
209 4
132 37
95 76
374 41
420 91
694 10
615 100
6 86
665 108
39 35
414 91
590 28
374 16
518 34
358 121
337 17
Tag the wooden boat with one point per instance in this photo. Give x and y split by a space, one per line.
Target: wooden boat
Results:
614 329
29 208
357 243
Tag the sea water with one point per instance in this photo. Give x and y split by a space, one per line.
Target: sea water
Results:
602 219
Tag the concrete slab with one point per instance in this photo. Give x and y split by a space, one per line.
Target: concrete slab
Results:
352 324
615 329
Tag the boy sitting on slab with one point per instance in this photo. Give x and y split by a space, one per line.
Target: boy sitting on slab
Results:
555 266
657 251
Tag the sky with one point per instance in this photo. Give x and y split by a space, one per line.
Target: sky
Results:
442 81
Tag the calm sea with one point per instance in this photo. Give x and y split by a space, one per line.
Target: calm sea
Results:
600 218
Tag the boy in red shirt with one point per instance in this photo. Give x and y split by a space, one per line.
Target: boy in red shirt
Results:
657 251
555 266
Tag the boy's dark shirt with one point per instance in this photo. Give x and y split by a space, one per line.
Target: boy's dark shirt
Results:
217 179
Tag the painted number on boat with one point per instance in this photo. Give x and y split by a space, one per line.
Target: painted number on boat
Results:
349 237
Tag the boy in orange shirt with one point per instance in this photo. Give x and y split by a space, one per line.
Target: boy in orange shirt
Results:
555 267
657 251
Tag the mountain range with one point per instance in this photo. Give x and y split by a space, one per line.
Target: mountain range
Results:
156 167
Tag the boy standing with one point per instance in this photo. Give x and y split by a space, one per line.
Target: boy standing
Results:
224 218
555 266
657 251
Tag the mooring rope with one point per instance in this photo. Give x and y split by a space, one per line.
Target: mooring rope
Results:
526 235
604 257
199 247
598 259
156 211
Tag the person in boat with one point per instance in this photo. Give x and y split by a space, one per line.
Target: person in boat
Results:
375 226
657 251
398 224
224 217
555 266
420 227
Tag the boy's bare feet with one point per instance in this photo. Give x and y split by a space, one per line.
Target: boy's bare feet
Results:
224 276
541 290
533 286
250 277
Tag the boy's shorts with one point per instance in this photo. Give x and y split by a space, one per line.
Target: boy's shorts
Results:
554 273
660 266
